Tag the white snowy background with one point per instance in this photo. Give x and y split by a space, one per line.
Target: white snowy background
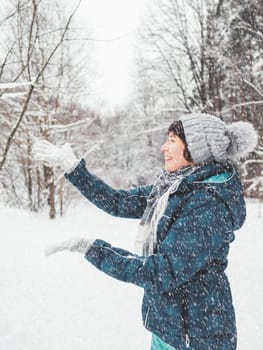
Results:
63 302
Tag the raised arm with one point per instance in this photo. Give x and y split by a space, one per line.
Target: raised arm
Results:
122 203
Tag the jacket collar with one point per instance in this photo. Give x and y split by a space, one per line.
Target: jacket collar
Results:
229 191
207 170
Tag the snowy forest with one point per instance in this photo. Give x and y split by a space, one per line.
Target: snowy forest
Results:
190 56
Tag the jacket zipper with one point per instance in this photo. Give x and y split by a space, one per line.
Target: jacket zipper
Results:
187 340
185 323
146 317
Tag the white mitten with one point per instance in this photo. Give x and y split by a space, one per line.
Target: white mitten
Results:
55 155
79 245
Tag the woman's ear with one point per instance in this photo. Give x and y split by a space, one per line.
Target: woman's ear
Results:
187 155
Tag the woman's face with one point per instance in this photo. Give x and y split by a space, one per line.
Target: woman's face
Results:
173 150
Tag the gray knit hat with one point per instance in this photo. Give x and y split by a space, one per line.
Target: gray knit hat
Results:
209 138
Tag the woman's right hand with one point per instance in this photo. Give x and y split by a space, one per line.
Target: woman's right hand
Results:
54 155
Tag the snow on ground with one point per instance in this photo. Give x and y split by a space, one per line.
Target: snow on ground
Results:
63 303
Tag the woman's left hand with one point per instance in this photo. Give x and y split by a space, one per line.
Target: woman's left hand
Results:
79 245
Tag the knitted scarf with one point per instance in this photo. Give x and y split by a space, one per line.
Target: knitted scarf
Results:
166 184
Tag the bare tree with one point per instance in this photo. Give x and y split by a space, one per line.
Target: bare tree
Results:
39 79
207 55
26 59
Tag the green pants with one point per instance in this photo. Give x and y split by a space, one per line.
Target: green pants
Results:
217 342
159 344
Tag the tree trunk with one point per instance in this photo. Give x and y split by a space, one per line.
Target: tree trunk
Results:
50 186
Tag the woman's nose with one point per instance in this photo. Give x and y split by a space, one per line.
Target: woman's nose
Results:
164 147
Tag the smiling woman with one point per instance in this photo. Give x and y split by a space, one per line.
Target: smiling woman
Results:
187 222
113 25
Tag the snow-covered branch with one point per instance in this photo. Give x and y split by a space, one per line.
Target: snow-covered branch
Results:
61 128
11 85
44 66
257 183
164 110
11 95
150 131
260 93
251 103
250 161
244 25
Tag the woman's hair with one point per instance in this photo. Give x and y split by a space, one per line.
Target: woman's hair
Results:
177 129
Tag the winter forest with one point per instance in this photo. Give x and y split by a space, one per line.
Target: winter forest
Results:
188 56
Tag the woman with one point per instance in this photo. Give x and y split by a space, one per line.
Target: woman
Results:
188 218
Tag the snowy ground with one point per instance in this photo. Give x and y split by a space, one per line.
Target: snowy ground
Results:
63 303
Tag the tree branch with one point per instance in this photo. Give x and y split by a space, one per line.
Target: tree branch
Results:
30 92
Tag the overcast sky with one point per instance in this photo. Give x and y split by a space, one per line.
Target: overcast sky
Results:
113 24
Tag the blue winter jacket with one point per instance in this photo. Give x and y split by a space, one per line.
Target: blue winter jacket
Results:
186 291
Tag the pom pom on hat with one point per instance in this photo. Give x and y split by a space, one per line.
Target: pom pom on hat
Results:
243 139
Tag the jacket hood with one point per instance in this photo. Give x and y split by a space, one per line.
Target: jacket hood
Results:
229 190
